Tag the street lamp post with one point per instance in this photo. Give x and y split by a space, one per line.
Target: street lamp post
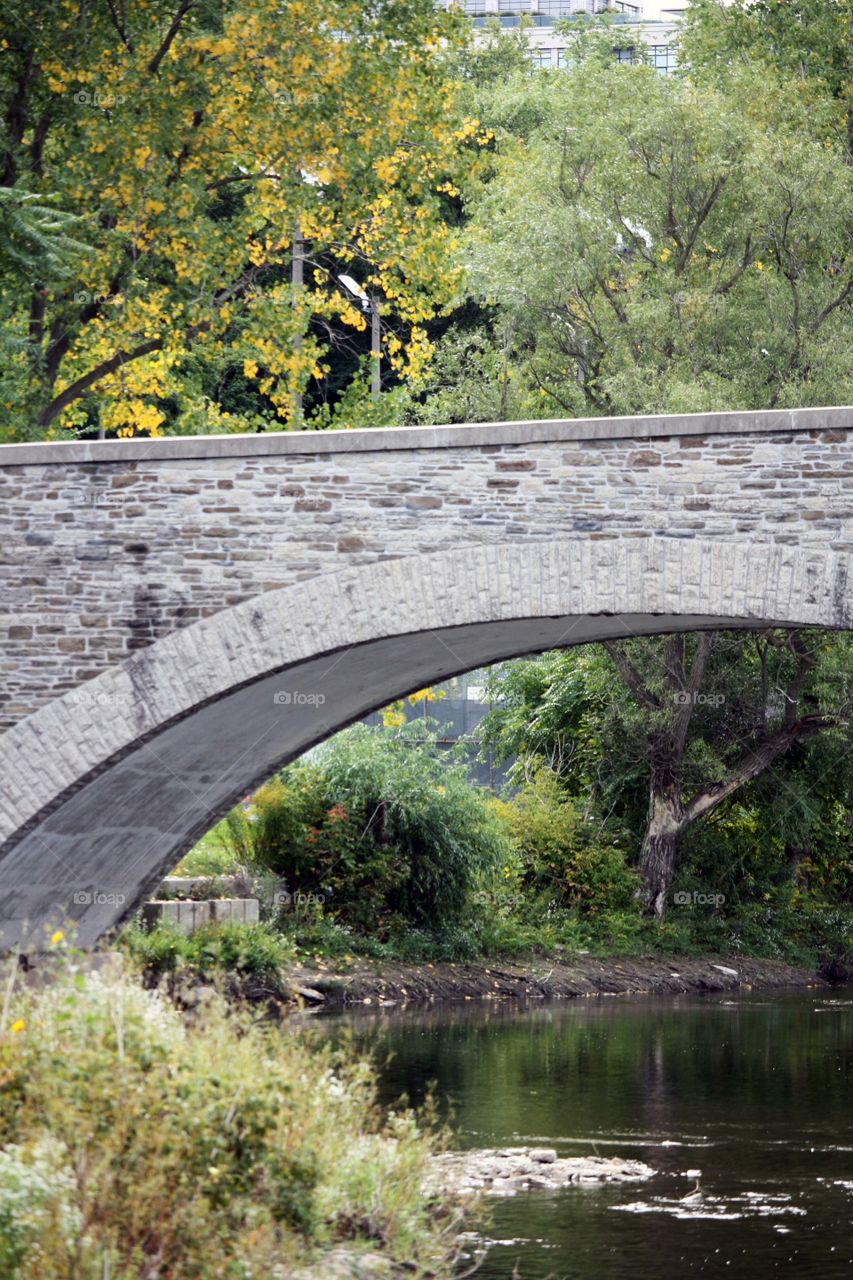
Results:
371 304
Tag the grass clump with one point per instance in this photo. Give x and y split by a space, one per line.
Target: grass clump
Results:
247 950
136 1145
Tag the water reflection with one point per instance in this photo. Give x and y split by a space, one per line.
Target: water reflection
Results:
743 1105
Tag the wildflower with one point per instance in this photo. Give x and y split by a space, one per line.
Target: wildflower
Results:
18 1026
56 937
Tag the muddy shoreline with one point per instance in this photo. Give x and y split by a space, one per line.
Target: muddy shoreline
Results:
384 983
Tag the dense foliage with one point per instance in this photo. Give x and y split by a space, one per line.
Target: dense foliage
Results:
243 951
596 239
379 828
130 1149
645 243
349 848
802 47
734 747
563 852
169 170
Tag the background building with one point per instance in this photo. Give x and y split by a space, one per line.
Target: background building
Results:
653 25
454 716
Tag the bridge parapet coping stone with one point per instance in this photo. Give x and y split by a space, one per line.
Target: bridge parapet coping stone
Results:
493 435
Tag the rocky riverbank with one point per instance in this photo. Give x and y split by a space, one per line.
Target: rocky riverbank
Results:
369 982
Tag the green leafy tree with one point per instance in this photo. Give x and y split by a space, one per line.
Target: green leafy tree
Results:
802 45
691 725
650 244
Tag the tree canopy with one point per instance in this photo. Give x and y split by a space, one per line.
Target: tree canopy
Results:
803 46
181 148
647 243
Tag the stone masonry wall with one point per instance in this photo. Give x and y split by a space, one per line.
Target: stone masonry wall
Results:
101 557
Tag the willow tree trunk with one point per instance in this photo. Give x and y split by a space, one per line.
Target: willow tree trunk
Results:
659 850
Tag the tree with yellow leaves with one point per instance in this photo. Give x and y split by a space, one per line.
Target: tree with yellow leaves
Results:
189 145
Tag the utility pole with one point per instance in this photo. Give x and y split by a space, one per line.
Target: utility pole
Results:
375 349
297 279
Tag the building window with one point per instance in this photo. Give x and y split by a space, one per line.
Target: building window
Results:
568 8
624 55
663 58
541 58
559 8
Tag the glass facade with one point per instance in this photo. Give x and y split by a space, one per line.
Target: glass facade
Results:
565 8
544 13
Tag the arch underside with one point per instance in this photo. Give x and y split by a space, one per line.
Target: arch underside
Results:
108 786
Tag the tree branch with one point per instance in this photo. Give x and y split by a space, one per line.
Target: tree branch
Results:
831 306
118 21
75 389
691 685
807 660
631 676
154 64
701 217
753 764
723 287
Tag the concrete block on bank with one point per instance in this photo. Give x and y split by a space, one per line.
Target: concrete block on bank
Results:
235 910
187 915
188 886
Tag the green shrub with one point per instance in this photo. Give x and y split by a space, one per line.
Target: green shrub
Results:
244 949
135 1144
239 948
379 829
274 832
158 951
436 830
562 852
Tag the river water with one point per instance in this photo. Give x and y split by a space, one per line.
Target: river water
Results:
755 1092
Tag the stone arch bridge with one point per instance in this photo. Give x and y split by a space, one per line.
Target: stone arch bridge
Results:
182 616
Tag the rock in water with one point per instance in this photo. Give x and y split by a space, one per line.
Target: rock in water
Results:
513 1169
542 1155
